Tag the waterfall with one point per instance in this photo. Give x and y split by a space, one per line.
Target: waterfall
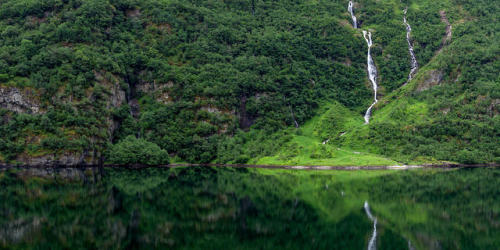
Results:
368 211
372 70
410 246
354 21
372 244
372 74
414 63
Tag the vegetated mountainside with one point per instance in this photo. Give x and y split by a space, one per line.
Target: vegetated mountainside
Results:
228 81
450 110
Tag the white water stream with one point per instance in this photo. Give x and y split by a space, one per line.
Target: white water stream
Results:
372 74
414 63
372 244
410 246
354 21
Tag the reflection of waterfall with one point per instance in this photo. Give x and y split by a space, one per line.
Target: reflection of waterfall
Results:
372 74
354 21
368 212
410 246
372 244
414 63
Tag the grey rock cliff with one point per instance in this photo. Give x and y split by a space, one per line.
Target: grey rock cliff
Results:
431 79
20 101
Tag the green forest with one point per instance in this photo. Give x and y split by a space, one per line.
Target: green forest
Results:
247 81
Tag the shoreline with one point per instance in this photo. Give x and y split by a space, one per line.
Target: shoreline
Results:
289 167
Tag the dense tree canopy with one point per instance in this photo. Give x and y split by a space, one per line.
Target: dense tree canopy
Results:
193 76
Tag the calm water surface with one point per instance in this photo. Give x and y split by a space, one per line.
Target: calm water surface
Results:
236 208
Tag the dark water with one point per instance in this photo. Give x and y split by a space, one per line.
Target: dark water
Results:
235 208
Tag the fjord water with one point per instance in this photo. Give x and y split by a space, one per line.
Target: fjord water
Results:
238 208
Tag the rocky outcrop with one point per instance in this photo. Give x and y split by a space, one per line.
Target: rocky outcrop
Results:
447 36
64 159
133 13
444 19
245 119
494 108
160 90
18 100
116 98
431 79
117 95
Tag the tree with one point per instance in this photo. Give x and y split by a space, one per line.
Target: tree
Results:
137 151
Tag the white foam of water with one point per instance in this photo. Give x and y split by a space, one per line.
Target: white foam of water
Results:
354 21
372 74
414 63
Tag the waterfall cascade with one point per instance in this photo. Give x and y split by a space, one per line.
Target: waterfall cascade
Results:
414 63
372 244
372 74
354 21
410 246
372 70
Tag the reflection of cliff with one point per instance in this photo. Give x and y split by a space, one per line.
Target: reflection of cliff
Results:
162 208
78 174
18 230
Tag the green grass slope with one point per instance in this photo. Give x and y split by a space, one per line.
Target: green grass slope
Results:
316 143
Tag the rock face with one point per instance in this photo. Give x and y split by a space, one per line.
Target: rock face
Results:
65 159
444 19
117 95
494 108
116 98
447 36
19 101
433 78
159 90
244 118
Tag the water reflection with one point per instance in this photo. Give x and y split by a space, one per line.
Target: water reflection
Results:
226 208
372 244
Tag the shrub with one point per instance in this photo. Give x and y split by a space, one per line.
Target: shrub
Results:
137 151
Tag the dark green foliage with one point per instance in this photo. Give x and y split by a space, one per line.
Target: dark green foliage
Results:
219 66
275 55
137 151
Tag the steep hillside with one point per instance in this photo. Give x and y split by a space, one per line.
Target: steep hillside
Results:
248 81
449 111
